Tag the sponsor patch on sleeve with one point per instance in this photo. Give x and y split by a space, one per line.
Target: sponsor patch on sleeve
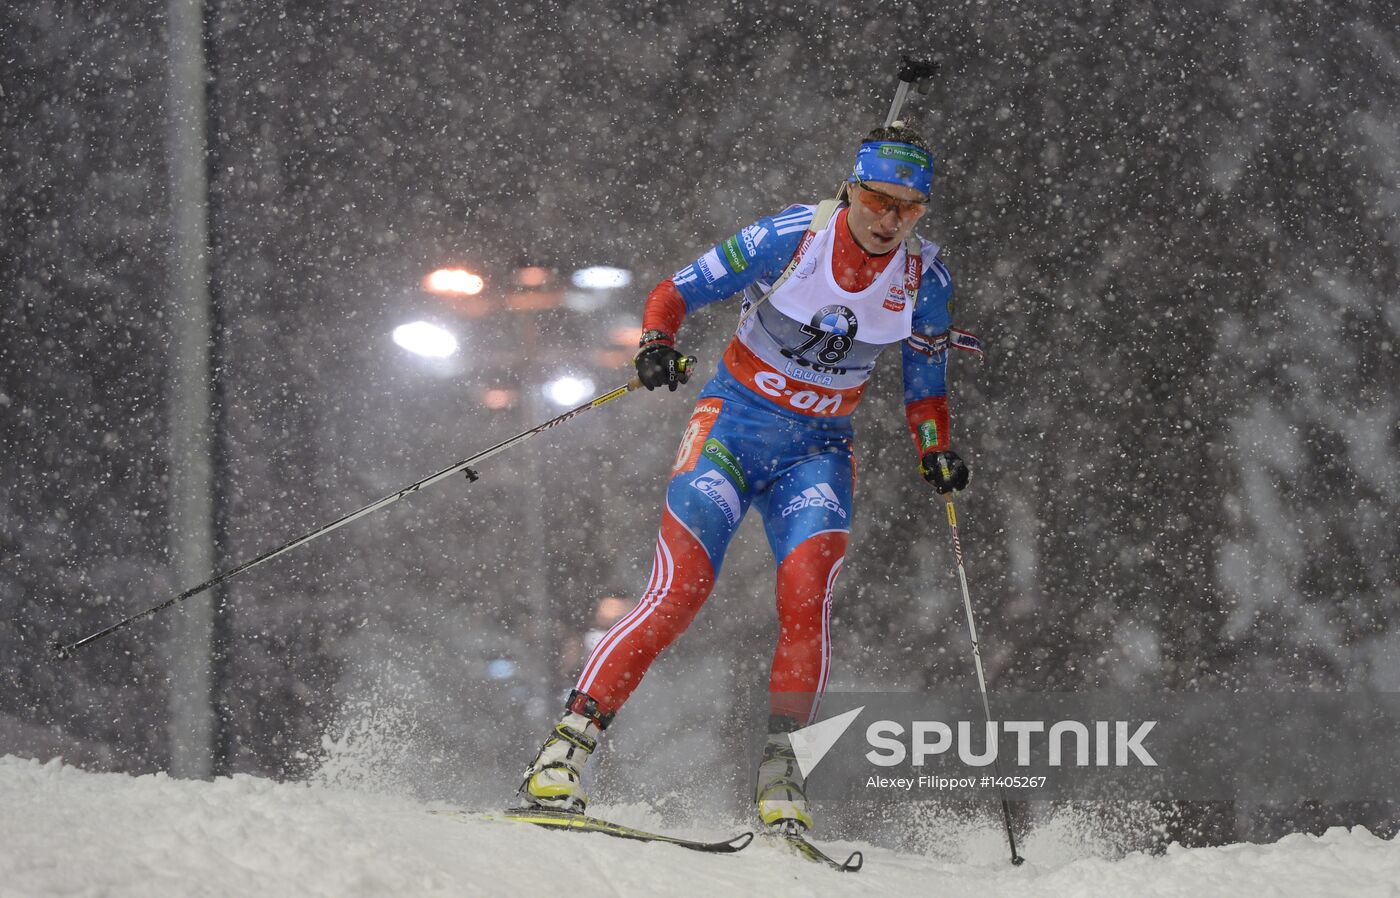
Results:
711 266
928 435
734 255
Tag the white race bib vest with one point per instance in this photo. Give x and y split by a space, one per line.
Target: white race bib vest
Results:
883 312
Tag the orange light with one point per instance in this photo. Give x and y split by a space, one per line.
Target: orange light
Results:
533 300
613 358
610 610
532 276
626 336
497 398
454 282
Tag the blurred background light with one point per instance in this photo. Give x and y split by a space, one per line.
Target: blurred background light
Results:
610 610
501 669
601 277
568 390
498 398
428 340
454 282
626 334
531 276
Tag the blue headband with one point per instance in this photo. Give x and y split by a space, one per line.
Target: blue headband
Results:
895 163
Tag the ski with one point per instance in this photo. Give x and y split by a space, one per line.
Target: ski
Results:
806 849
575 822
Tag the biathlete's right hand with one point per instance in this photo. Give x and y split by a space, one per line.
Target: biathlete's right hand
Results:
658 363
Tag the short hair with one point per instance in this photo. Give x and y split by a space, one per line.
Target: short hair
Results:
900 132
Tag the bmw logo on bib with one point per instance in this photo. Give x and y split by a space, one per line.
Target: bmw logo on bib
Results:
836 320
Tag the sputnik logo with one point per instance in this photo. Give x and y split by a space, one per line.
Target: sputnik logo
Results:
810 744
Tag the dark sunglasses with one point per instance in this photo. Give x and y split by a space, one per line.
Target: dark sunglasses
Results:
882 203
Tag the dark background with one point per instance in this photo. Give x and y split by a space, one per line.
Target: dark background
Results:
1176 231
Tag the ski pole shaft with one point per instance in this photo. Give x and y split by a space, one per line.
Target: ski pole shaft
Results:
67 650
1016 858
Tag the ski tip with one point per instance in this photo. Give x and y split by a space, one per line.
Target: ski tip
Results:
853 863
740 842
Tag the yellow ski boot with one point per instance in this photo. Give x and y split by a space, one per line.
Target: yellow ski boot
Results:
781 795
555 778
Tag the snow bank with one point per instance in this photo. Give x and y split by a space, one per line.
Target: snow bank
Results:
67 832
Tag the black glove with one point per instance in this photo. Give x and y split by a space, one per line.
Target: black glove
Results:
932 465
658 363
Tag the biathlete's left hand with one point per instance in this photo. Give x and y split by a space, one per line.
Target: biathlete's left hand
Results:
945 470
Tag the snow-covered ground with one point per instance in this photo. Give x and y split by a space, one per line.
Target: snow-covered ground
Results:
67 832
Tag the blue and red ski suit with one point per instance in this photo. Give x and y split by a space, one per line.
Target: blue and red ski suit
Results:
772 431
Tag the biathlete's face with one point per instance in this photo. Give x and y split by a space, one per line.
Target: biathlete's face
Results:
883 214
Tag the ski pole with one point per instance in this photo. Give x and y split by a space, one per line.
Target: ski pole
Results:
1016 858
65 651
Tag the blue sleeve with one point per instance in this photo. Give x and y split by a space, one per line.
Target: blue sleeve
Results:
759 252
925 353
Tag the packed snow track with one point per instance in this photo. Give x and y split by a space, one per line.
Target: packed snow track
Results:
64 831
